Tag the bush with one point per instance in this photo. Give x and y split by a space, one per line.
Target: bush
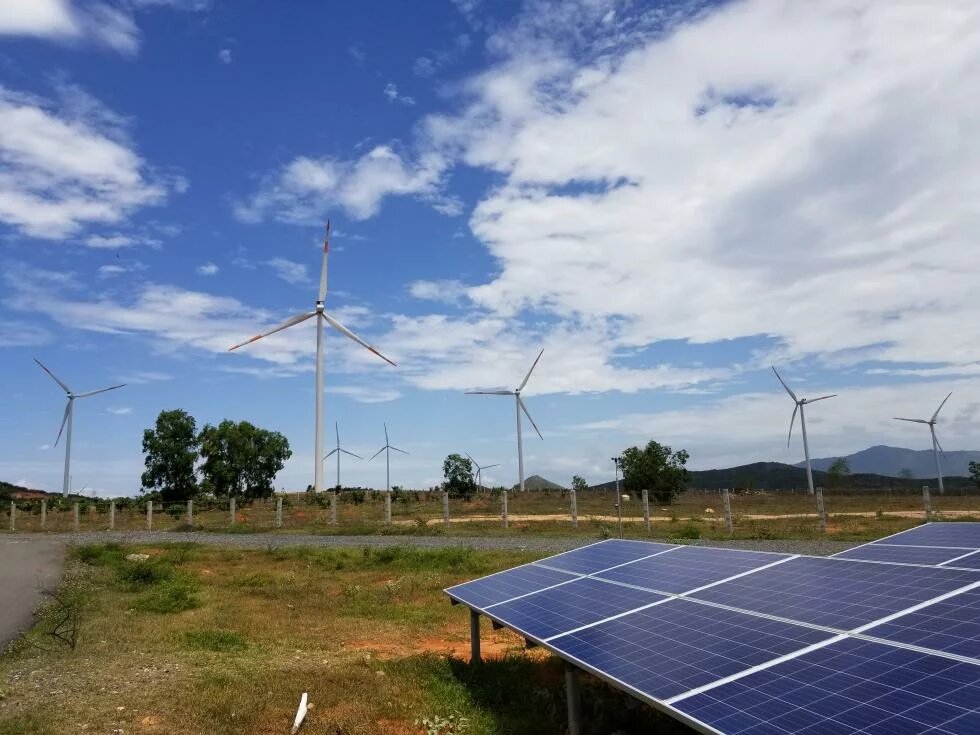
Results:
140 574
689 532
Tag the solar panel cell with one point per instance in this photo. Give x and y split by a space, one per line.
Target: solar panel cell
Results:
963 535
689 567
604 555
967 562
506 585
901 554
952 625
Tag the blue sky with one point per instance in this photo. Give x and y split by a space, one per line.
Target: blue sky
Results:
666 197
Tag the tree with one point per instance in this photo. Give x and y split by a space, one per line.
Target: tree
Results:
458 471
975 472
837 471
656 468
241 460
579 484
171 452
906 474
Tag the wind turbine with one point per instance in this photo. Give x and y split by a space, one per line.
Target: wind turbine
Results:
69 413
936 448
519 404
800 403
479 470
321 317
338 451
387 450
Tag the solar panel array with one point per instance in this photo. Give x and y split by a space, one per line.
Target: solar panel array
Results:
884 638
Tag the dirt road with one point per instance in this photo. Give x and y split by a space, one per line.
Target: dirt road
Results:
28 566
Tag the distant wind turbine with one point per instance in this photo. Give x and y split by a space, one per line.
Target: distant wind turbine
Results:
519 407
321 317
338 451
479 469
800 403
387 450
69 413
936 447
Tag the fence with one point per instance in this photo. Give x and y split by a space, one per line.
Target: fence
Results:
707 512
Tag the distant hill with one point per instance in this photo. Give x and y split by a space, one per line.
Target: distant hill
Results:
891 461
536 482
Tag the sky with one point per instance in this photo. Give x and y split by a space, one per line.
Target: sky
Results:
667 197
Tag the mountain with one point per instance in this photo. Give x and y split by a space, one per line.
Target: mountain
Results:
891 461
536 482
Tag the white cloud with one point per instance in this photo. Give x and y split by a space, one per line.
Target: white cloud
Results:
364 394
108 271
289 271
225 55
22 334
146 376
63 170
391 92
449 291
358 54
119 410
207 269
51 18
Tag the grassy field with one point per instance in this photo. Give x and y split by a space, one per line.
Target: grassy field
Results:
851 516
212 641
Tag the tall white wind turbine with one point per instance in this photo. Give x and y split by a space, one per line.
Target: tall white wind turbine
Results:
338 451
69 413
936 447
387 450
479 470
800 403
321 317
519 404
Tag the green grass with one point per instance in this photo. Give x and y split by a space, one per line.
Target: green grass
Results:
222 641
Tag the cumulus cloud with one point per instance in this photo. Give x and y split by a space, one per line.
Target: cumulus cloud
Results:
207 269
289 271
391 92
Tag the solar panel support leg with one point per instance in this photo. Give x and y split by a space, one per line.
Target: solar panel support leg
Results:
474 637
574 700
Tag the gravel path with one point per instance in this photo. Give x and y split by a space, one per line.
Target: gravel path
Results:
488 543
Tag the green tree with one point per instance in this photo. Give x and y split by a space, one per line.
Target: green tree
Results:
241 460
579 484
837 471
170 450
906 474
655 468
458 471
975 472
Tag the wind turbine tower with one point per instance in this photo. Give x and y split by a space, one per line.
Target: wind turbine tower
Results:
69 414
936 447
479 470
338 451
387 450
800 403
321 318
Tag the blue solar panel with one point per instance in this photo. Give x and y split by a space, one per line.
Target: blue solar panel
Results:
670 648
604 555
835 592
952 625
689 567
929 555
506 585
569 606
845 688
967 562
962 535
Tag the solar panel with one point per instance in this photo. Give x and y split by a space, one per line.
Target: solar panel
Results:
929 555
851 686
834 592
672 647
507 584
962 535
569 606
604 555
967 562
689 567
951 625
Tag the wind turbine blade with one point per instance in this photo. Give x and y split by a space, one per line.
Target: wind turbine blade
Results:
53 376
64 421
914 421
524 409
791 393
527 377
323 268
344 330
101 390
821 398
489 393
941 406
387 441
489 466
336 428
351 454
791 422
285 325
398 450
378 452
941 451
477 464
331 453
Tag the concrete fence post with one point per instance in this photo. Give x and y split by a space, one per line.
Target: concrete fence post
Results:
503 508
821 513
574 505
279 512
727 501
445 508
927 502
74 520
13 516
333 508
231 512
149 515
646 508
190 512
44 513
112 515
388 508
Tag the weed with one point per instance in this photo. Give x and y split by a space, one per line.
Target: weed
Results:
172 596
689 532
222 641
455 724
135 575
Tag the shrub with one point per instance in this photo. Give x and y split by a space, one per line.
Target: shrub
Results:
140 574
689 532
170 597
